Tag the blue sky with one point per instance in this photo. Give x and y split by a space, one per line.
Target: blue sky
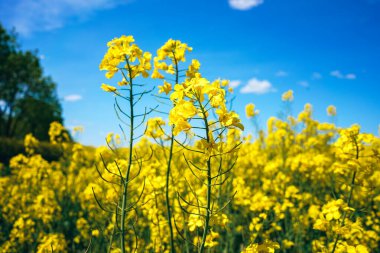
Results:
327 51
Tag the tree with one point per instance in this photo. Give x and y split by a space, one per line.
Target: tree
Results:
28 99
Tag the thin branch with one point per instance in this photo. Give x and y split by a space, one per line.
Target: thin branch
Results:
228 202
101 176
121 110
100 205
192 150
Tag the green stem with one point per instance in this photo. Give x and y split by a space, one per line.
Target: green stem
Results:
125 192
208 210
185 234
172 250
169 214
111 240
208 213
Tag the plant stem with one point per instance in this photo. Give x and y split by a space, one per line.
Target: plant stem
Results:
111 239
172 250
169 214
208 211
125 192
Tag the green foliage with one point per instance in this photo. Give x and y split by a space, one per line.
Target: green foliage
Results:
28 100
11 147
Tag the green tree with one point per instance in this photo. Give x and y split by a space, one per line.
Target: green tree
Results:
28 99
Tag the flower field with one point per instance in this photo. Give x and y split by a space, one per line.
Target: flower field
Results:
182 176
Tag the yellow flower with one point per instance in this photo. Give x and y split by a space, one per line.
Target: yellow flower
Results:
288 96
179 92
58 133
250 110
331 110
287 244
157 75
215 94
266 247
30 143
170 70
167 87
52 243
154 127
122 82
227 118
174 50
95 232
193 68
194 222
180 124
78 129
210 239
358 249
108 88
120 50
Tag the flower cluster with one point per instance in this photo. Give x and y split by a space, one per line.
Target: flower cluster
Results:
125 56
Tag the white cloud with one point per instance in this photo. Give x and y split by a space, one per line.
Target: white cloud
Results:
44 15
234 83
72 98
244 4
281 73
340 75
351 76
337 74
304 84
258 87
316 76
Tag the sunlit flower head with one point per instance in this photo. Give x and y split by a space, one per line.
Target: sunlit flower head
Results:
331 110
108 88
287 96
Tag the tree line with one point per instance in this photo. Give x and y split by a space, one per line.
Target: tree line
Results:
28 98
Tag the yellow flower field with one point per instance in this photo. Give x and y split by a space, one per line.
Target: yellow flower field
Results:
182 177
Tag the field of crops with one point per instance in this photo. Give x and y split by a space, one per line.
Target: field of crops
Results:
182 177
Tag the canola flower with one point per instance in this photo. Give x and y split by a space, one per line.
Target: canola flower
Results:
250 111
331 110
108 88
288 96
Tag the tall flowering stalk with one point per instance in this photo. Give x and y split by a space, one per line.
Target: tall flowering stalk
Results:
125 57
194 100
174 51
